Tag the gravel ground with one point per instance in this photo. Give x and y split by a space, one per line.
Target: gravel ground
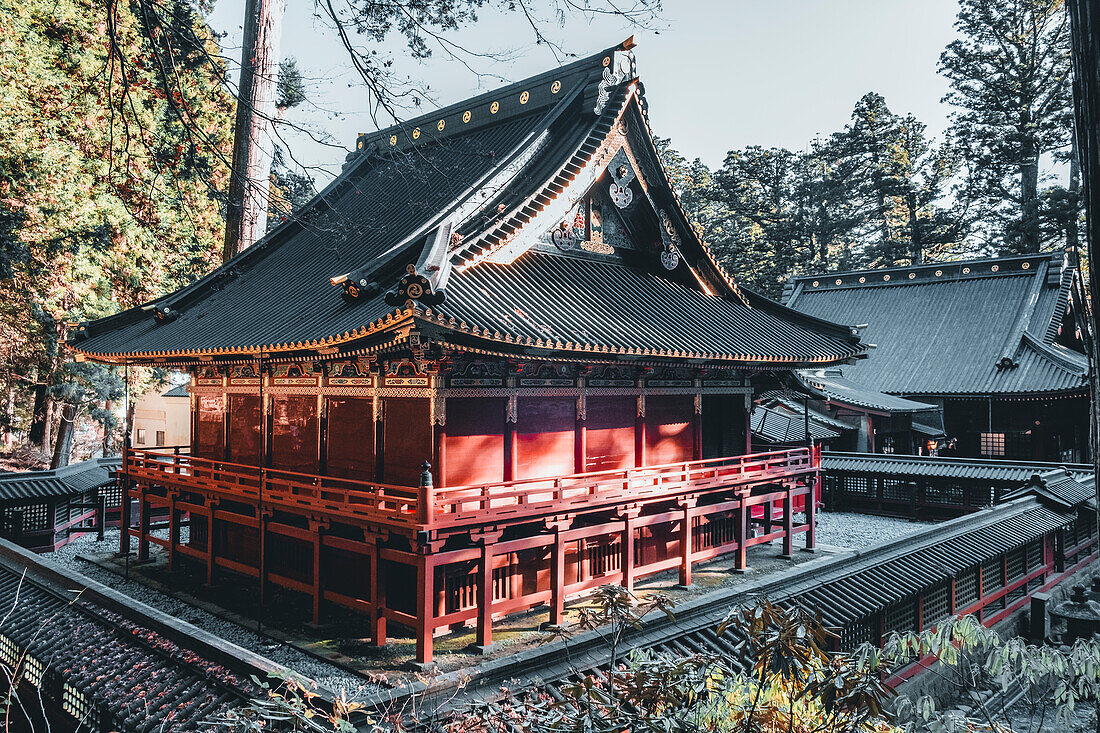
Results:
325 674
854 531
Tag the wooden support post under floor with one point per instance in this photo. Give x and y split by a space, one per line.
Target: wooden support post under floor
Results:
318 529
788 526
687 504
425 607
377 597
173 530
211 545
124 519
485 592
557 575
628 516
811 515
741 534
143 524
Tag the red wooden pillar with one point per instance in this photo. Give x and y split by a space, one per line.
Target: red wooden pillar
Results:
440 458
211 566
769 507
485 593
788 525
143 530
628 516
688 505
580 446
173 530
425 607
748 428
811 515
317 528
124 519
509 447
261 573
697 429
639 441
741 531
378 598
557 576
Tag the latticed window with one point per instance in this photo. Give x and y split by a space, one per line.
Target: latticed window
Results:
980 496
9 652
77 704
993 444
1034 555
896 489
966 588
859 632
902 616
112 495
33 670
938 493
860 485
993 578
937 604
33 516
1017 563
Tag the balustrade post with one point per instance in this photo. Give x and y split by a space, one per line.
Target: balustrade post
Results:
768 509
426 498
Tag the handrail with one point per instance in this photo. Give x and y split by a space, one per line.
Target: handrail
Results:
426 507
524 497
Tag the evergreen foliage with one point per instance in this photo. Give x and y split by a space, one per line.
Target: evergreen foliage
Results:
107 198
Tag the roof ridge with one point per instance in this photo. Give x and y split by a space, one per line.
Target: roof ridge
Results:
925 266
596 61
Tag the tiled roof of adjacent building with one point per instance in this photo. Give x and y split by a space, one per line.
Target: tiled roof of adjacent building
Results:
979 327
978 469
835 387
782 427
114 662
458 197
75 478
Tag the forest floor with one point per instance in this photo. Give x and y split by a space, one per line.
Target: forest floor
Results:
338 653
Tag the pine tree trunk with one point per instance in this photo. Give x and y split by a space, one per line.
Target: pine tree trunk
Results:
51 414
1029 196
40 414
916 245
108 432
63 448
253 135
1072 231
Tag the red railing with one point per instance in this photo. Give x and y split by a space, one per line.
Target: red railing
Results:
395 505
431 508
527 497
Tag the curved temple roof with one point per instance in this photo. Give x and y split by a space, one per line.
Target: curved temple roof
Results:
456 201
979 327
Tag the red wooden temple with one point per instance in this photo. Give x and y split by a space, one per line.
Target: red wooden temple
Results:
489 368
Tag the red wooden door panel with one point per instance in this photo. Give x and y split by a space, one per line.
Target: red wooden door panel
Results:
544 437
294 433
668 429
609 433
244 429
349 438
210 427
474 446
406 439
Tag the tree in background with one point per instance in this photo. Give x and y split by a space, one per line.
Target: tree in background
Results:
103 204
1010 80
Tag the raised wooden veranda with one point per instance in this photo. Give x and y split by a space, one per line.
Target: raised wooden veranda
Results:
469 553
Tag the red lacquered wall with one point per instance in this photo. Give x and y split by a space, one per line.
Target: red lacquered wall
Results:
350 438
474 442
668 431
210 428
544 437
244 429
406 439
609 433
294 433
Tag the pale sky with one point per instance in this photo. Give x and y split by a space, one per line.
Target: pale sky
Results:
718 74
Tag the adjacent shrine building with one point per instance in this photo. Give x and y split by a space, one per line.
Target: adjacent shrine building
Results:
994 341
490 367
